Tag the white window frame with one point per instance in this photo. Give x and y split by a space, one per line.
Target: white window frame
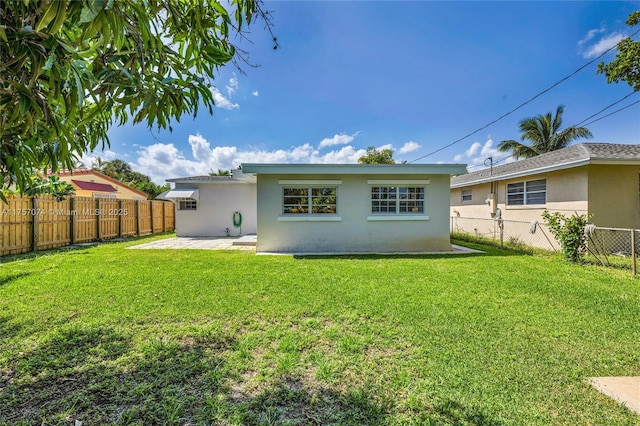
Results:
466 195
187 204
413 201
399 216
526 193
307 208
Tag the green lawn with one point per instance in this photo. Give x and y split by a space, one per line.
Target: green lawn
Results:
105 335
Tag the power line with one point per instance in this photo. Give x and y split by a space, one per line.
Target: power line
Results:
614 112
604 109
524 103
582 122
501 160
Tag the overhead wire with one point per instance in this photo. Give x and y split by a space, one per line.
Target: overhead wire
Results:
604 109
612 113
524 103
586 122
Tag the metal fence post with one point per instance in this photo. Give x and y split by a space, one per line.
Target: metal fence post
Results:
633 252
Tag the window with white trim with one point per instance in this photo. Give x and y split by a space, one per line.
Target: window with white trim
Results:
466 195
533 192
397 199
309 200
187 204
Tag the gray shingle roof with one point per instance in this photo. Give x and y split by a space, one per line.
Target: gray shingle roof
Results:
573 156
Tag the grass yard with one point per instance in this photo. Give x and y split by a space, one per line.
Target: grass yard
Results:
105 335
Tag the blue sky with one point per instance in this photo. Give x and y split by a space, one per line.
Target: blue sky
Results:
413 76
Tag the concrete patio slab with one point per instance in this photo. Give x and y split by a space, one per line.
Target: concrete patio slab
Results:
246 242
625 390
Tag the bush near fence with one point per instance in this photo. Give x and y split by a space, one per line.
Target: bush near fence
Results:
607 246
42 223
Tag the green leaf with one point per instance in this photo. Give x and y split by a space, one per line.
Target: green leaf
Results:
48 15
25 103
50 60
89 13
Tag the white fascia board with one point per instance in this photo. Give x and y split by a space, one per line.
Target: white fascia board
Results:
243 177
524 173
309 182
396 182
353 169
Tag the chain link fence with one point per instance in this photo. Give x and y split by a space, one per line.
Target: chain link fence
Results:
510 232
606 246
613 246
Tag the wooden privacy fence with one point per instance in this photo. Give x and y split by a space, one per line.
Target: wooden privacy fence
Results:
42 223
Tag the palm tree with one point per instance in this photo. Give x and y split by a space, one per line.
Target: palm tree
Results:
544 135
220 173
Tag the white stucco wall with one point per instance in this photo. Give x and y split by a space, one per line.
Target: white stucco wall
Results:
214 213
352 229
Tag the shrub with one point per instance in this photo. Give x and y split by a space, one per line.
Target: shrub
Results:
569 231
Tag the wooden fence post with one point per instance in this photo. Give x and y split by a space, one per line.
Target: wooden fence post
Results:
138 218
151 213
97 214
164 216
120 214
34 223
72 219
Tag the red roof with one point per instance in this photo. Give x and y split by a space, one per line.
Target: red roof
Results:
93 186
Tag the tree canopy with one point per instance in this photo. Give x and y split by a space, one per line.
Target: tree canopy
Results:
374 156
70 69
544 135
626 65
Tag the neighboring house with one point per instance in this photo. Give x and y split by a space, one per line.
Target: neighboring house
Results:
602 180
352 208
214 206
90 183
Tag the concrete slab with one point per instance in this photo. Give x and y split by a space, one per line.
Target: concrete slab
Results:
248 242
195 243
455 249
625 390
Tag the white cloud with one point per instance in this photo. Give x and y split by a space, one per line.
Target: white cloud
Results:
345 155
472 149
340 139
593 45
163 161
255 93
477 154
232 86
590 35
409 147
221 101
